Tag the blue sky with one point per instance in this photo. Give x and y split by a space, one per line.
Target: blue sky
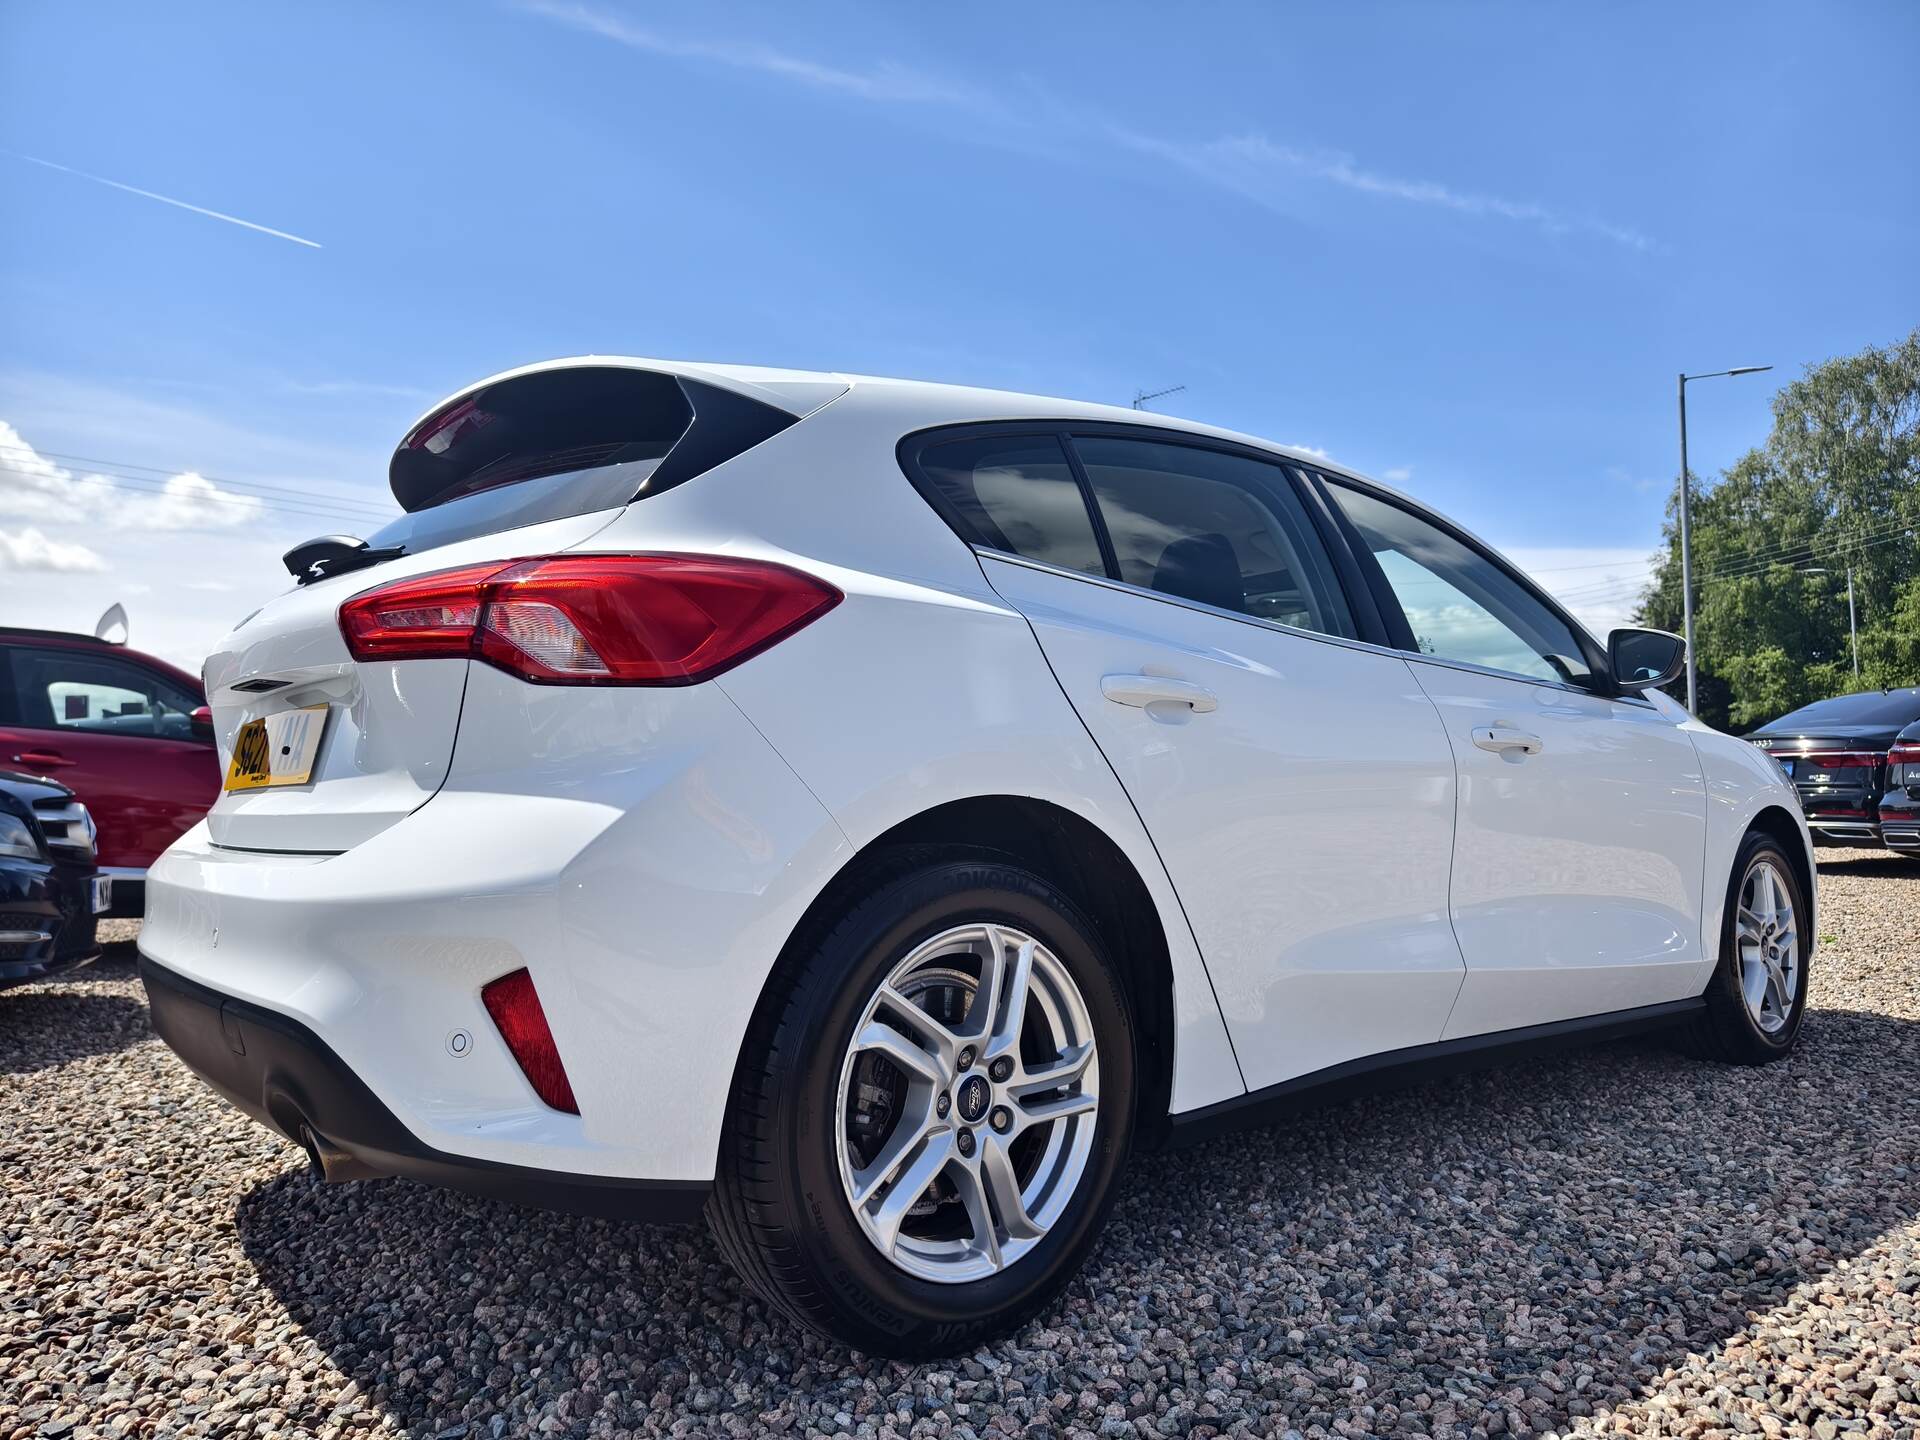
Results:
1463 247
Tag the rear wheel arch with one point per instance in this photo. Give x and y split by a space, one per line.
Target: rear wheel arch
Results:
1061 847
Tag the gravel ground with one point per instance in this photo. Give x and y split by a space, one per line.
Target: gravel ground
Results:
1621 1240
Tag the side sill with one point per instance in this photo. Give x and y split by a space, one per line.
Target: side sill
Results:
1395 1069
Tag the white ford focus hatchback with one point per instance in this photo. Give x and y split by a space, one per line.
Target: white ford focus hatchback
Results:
864 810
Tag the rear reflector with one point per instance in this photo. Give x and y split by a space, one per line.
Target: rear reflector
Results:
590 619
515 1007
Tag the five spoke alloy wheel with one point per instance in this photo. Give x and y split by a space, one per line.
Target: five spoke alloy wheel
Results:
968 1103
1767 944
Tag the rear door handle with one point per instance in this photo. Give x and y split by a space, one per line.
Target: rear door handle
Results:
1145 690
1502 738
43 759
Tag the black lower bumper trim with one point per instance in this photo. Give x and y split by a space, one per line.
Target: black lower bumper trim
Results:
286 1077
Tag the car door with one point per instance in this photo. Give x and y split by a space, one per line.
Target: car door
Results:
1581 832
1296 781
120 734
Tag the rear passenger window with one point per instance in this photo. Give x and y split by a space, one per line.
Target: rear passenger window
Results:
1016 494
1222 529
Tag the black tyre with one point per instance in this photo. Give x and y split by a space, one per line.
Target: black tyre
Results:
1758 992
932 1109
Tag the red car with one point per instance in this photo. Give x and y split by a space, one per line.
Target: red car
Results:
131 735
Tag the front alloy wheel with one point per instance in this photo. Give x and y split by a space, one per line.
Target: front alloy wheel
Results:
1759 989
933 1104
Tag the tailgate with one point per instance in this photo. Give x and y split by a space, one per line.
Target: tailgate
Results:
388 728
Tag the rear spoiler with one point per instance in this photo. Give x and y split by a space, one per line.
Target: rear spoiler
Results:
551 421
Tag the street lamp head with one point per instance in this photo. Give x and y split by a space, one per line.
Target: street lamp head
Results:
1749 369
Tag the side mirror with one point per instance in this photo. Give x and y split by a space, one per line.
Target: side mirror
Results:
200 722
1644 659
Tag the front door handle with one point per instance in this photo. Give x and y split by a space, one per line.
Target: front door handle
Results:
1502 738
1145 690
43 759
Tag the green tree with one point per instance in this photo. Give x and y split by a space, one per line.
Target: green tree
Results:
1836 484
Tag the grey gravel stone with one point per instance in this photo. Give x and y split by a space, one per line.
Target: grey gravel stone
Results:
1622 1241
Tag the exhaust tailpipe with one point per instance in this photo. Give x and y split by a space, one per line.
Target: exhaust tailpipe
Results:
329 1163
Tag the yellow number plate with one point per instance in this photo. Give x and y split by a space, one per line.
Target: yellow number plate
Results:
277 749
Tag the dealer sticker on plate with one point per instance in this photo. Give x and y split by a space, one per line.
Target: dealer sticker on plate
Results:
277 749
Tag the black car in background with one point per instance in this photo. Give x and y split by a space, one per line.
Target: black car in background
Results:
1900 806
1835 752
51 891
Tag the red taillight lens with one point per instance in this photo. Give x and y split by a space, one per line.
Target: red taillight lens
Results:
590 619
515 1007
1904 755
1839 759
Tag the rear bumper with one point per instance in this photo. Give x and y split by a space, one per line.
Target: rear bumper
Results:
645 867
1843 832
288 1079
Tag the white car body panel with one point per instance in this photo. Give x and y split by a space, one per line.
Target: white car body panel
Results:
391 729
646 852
1576 870
1307 821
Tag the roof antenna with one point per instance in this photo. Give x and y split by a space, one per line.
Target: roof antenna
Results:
112 626
1141 397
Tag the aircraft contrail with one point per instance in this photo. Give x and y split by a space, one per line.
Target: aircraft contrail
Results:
169 200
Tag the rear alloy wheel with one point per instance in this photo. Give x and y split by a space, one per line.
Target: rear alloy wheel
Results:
932 1110
1759 989
969 1095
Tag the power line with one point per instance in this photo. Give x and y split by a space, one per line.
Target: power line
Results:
144 486
113 466
1782 552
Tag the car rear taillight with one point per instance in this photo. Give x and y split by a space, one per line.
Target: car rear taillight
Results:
590 619
515 1007
1839 759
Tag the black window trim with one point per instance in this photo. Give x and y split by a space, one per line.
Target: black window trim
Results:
1596 658
1362 604
20 722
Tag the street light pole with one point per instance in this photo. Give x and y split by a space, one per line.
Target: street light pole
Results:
1686 550
1853 627
1686 523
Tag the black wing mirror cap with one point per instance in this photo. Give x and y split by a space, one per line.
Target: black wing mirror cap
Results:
1645 659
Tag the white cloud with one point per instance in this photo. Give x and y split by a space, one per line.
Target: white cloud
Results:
1313 450
28 549
1398 475
1251 165
33 487
1259 169
1601 585
885 82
